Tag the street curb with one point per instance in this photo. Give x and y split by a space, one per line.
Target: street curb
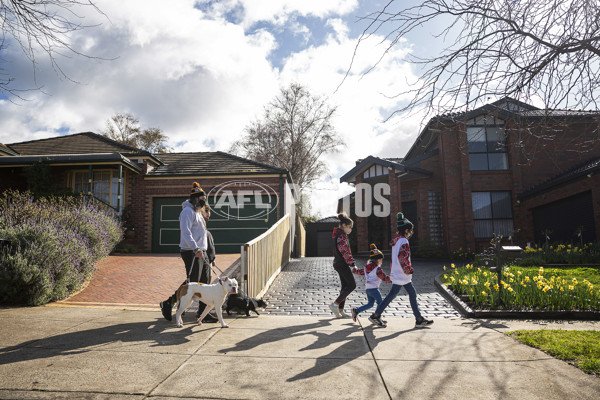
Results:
467 312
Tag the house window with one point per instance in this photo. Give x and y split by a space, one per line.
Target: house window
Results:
492 213
487 147
105 186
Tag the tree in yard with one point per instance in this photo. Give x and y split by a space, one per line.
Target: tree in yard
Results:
294 133
125 128
40 28
547 51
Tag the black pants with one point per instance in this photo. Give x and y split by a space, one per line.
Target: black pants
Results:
347 281
200 273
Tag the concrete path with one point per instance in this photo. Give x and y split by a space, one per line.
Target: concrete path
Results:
87 353
66 351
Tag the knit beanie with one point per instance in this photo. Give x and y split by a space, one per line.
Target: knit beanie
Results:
196 190
403 223
374 254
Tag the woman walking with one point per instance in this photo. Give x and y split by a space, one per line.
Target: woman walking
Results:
342 263
193 246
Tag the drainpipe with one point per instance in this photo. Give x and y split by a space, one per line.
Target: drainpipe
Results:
90 181
119 190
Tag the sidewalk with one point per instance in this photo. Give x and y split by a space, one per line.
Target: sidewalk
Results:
99 353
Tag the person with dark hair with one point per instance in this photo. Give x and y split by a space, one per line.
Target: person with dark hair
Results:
374 275
193 245
342 262
401 273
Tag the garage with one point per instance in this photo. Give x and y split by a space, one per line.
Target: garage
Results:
563 218
230 226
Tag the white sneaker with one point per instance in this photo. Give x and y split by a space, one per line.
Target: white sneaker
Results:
335 310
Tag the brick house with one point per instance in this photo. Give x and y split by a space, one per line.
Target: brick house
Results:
150 188
506 167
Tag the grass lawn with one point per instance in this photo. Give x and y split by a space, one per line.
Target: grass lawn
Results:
579 348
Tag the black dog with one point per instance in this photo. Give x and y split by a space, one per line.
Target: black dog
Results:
244 304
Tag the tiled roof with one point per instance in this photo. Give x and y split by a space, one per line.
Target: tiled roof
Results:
210 163
564 177
326 220
394 163
79 143
505 108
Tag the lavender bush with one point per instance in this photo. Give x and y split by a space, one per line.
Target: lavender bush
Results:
53 244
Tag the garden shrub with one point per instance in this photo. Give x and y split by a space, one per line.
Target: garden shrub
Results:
53 244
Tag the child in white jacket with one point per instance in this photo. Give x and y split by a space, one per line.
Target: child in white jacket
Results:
374 275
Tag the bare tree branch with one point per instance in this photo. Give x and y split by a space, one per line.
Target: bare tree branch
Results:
41 27
294 133
525 49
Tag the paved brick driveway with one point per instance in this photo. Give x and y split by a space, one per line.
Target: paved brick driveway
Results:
135 281
307 286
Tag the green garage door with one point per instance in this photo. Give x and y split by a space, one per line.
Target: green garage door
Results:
231 227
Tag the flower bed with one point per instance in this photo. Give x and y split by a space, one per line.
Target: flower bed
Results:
525 288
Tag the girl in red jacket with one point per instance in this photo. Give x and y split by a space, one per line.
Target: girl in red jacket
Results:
342 262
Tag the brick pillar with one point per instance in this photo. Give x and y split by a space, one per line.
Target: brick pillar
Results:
395 199
361 227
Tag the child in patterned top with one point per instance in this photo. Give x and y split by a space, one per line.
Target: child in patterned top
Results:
373 277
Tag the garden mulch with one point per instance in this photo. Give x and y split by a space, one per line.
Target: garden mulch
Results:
135 281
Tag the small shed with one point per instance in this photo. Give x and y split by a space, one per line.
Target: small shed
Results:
318 237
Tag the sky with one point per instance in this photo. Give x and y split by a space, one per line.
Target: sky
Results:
201 71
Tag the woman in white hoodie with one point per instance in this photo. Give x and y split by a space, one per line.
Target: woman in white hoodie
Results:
193 244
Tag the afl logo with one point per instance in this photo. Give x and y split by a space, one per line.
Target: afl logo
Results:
229 198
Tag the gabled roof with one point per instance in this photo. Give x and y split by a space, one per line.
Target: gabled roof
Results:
393 163
505 108
362 165
590 166
79 143
210 163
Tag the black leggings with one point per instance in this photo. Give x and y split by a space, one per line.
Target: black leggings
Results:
348 284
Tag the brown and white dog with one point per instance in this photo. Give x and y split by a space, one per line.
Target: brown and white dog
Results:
212 295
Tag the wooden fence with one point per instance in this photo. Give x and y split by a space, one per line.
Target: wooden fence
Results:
264 257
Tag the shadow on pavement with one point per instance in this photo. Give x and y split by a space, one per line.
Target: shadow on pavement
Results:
83 341
348 347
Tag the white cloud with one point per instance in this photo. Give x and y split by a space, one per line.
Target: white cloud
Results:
362 107
278 12
202 78
193 77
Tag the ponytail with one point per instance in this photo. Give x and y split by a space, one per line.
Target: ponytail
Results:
344 219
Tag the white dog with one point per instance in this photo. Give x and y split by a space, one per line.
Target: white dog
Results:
212 295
